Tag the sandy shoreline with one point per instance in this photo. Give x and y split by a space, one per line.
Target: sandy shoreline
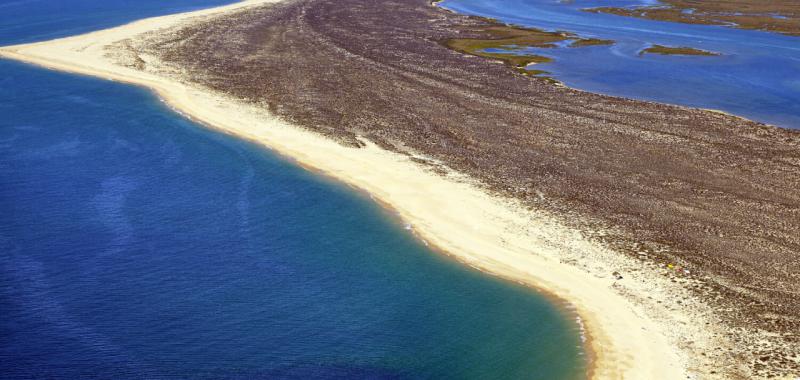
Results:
450 212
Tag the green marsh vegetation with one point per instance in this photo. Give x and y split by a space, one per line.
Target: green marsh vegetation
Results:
508 44
670 50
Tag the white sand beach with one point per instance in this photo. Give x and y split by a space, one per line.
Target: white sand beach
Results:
630 334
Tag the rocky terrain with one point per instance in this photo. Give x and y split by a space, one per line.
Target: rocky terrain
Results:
707 196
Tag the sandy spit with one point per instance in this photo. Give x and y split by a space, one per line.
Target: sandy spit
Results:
625 339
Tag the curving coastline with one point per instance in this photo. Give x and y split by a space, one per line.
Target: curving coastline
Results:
628 339
85 55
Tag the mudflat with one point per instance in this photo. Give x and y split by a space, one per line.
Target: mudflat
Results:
708 198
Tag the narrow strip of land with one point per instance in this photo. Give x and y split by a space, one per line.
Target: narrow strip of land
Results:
672 50
673 231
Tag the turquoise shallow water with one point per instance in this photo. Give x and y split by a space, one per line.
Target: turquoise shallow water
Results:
137 244
757 76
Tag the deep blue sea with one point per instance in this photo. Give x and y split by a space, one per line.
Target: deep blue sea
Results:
757 76
136 244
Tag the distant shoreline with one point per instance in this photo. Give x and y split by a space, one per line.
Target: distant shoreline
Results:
491 233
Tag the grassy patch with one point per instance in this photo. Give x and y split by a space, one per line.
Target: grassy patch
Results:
590 42
503 37
668 50
512 39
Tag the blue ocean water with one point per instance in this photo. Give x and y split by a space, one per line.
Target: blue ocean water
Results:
24 21
137 244
757 76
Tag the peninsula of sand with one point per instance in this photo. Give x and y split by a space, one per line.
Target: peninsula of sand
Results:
248 69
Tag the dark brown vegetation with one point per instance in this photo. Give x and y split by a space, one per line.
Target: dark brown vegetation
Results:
782 16
712 192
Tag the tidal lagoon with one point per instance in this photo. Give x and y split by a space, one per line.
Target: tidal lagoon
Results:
755 74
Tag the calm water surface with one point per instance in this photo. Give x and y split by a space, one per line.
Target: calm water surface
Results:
136 244
757 76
